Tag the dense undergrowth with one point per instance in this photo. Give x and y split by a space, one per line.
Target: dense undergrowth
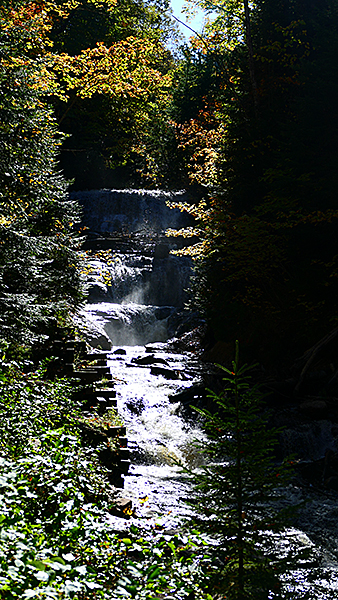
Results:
56 539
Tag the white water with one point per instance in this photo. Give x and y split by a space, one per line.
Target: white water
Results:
158 436
131 324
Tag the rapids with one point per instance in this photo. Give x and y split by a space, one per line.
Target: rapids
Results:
158 433
133 310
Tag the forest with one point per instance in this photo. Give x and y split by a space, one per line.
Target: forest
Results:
243 117
104 93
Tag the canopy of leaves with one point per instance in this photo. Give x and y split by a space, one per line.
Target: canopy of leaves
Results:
264 147
108 62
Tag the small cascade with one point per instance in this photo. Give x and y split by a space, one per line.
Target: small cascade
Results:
138 294
158 433
128 324
130 211
135 277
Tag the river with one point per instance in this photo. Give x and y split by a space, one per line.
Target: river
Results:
136 303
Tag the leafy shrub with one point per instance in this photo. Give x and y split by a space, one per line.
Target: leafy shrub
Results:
55 538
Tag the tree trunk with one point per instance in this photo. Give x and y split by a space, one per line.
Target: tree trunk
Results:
239 492
248 38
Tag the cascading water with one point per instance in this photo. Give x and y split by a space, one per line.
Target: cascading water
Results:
158 434
135 304
138 294
137 298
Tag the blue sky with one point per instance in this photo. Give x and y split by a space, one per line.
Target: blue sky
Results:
196 23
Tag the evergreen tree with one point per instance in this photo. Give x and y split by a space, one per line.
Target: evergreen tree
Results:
40 278
236 491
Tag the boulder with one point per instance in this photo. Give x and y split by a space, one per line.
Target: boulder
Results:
121 508
163 312
93 331
99 341
144 361
192 395
167 373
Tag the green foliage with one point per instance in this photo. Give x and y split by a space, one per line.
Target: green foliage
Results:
39 262
121 130
48 479
55 538
236 491
196 78
162 566
89 23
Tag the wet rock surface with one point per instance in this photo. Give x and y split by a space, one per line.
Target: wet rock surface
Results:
149 360
126 211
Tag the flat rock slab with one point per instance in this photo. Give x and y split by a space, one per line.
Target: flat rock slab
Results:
105 393
91 375
189 396
96 356
100 369
106 400
116 431
154 347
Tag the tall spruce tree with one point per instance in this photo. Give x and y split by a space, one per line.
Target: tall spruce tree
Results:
40 278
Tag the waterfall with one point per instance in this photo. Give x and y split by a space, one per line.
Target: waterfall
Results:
130 211
138 295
